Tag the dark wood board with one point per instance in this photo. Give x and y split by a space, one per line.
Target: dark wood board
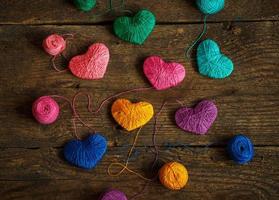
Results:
31 160
42 174
166 11
252 88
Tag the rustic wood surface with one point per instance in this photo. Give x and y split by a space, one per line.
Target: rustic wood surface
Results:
31 160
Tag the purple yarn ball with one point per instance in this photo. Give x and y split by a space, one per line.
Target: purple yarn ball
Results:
113 194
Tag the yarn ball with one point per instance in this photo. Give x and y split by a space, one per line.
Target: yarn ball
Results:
173 175
86 153
240 149
135 29
85 5
209 7
131 115
211 62
163 75
91 65
54 44
45 110
113 194
197 120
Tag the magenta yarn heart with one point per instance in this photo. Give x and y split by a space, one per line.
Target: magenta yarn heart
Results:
197 120
163 75
91 65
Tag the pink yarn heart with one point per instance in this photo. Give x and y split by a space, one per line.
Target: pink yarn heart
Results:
163 75
91 65
197 120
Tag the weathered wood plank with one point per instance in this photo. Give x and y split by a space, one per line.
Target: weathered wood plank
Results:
48 11
256 120
41 173
247 101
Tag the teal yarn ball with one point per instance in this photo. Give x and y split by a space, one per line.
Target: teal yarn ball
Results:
135 29
209 7
85 5
241 149
211 62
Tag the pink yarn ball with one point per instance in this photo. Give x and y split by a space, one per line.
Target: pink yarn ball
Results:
45 110
54 44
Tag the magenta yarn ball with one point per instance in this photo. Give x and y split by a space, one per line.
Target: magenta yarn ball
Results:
45 110
113 194
54 44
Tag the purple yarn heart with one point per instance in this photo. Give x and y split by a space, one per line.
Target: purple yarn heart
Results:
197 120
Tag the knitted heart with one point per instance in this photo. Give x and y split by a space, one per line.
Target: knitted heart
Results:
85 5
197 120
87 153
212 62
135 29
131 115
163 75
92 64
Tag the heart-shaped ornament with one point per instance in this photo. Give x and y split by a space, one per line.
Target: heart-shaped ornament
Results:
85 5
212 62
163 75
87 153
197 120
131 115
91 65
135 29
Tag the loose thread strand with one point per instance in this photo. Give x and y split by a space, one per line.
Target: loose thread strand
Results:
55 67
67 36
89 105
188 50
155 130
74 115
125 166
111 8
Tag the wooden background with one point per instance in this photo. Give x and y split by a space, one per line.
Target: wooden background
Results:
31 161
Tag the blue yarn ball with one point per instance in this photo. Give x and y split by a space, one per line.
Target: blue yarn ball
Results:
241 149
209 7
86 153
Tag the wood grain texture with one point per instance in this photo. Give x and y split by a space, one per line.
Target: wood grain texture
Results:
247 101
50 12
31 159
42 174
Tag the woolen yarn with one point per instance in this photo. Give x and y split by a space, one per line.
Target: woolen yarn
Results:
173 175
45 110
54 44
85 5
113 194
241 149
209 7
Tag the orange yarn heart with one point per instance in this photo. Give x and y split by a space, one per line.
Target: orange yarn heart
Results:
131 115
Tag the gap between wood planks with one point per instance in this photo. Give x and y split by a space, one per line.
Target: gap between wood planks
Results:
109 22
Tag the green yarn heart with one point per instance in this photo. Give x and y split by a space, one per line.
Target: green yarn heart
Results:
135 29
85 5
212 62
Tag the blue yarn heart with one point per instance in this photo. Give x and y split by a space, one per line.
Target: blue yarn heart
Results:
212 62
87 153
241 149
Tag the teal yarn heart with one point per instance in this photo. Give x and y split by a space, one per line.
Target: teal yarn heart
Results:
86 153
135 29
211 62
85 5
